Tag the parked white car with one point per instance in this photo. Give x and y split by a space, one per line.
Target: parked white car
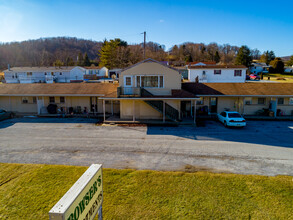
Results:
231 119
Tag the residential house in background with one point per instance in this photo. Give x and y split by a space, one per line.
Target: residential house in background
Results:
202 63
114 73
258 68
249 99
94 72
183 70
288 69
217 73
150 90
63 74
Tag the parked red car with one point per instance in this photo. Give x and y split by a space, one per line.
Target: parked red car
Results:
254 77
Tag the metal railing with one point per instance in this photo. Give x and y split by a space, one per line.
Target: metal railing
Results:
170 112
128 91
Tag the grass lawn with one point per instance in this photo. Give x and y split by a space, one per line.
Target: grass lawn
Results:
30 191
274 77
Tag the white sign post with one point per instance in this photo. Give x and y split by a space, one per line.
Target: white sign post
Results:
83 200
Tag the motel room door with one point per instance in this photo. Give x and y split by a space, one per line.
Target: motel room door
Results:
128 85
185 109
94 104
213 104
40 104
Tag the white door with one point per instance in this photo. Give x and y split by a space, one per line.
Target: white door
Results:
40 104
128 85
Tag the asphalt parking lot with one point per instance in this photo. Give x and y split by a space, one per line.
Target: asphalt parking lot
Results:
263 147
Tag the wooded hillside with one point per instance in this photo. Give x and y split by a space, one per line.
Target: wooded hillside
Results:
44 52
70 51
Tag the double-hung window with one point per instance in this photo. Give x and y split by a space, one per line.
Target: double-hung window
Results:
248 101
62 99
261 101
29 100
237 72
52 99
217 72
150 81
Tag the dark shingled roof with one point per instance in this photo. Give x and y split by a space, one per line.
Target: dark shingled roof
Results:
240 89
58 88
175 93
180 93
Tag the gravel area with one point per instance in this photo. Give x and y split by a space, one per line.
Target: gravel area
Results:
263 147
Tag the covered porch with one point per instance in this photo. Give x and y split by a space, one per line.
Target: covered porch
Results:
152 110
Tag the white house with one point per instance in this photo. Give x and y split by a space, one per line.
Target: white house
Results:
98 71
288 69
217 73
64 74
258 68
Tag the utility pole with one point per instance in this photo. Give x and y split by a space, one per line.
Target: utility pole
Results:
144 37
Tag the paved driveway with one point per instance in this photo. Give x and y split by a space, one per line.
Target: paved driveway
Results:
263 147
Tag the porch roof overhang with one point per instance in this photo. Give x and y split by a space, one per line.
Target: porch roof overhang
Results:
75 95
245 96
149 98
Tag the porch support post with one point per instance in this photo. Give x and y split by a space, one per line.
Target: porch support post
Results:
191 108
65 110
243 106
133 119
10 103
104 109
43 100
194 111
179 111
112 110
276 107
164 111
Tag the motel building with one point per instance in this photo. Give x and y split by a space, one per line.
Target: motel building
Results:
149 92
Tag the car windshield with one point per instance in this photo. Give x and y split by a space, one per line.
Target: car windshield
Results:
234 115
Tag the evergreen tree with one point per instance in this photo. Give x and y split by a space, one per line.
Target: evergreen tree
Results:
244 56
267 57
217 57
277 65
86 60
80 59
69 62
108 54
58 63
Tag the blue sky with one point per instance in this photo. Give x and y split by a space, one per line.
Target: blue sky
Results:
265 25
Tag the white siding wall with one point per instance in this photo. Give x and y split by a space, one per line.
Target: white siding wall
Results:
76 74
227 75
103 72
41 76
